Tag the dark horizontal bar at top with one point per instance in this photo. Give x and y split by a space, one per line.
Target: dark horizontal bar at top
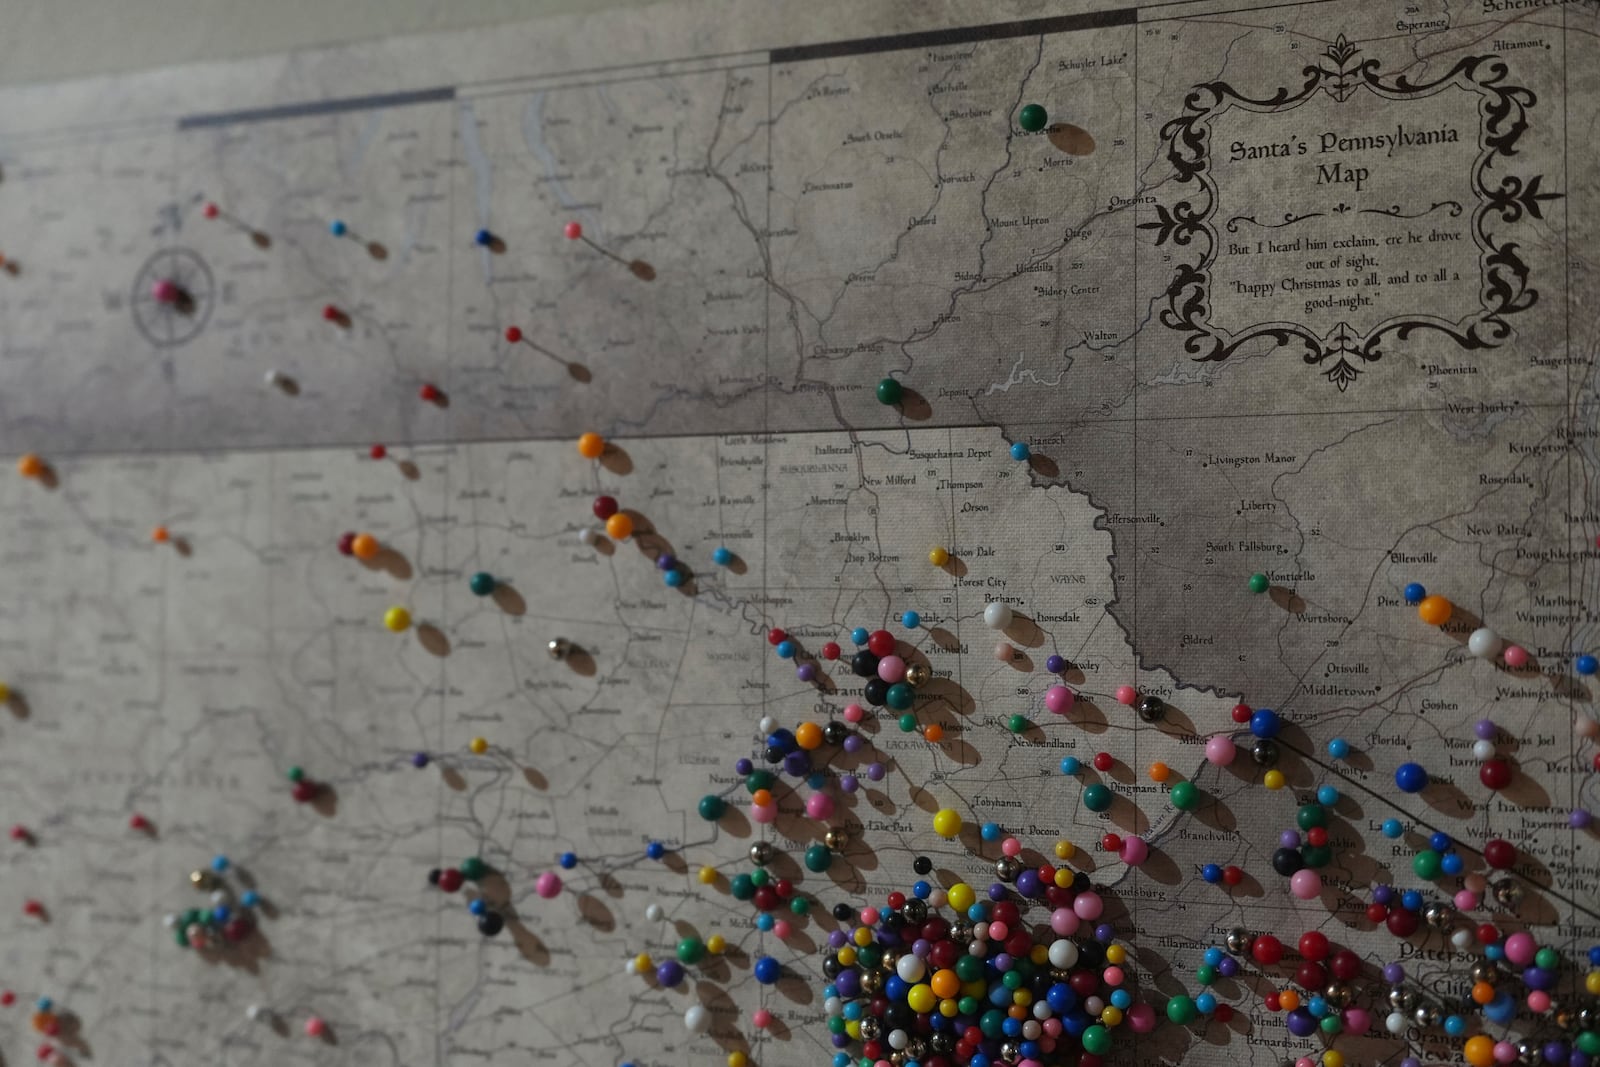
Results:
994 31
317 107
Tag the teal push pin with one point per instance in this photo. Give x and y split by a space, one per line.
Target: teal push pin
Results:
890 392
482 584
1032 118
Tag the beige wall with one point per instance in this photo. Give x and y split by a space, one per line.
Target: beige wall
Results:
47 40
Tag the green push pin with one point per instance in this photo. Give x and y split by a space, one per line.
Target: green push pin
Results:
1259 584
294 774
800 906
1181 1010
1425 864
1184 796
758 779
473 869
1317 856
1032 118
1097 1040
691 950
711 807
482 583
890 392
1311 816
759 877
1018 724
908 723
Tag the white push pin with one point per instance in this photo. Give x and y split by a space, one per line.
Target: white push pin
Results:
1484 643
655 913
997 616
257 1013
587 535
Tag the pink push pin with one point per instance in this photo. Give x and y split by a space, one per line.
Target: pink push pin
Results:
639 268
211 211
315 1027
165 291
1516 657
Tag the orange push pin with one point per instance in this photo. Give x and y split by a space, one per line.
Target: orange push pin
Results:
591 445
160 535
30 466
365 546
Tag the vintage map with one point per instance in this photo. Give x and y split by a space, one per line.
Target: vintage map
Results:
1303 289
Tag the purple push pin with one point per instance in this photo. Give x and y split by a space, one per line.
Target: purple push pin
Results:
1580 819
420 760
1055 664
806 672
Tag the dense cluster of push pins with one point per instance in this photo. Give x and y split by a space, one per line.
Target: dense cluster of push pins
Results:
1029 970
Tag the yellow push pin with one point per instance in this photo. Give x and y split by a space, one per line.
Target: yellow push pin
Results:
716 944
5 692
591 445
397 619
938 556
478 746
1273 780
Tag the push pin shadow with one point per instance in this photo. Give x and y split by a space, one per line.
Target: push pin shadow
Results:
282 382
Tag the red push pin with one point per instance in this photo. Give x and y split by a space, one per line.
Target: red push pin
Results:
638 267
331 313
32 907
166 291
46 1051
377 451
20 833
430 393
515 336
138 823
7 998
212 211
305 790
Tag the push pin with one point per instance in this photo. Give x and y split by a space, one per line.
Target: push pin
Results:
8 265
339 228
487 239
161 535
33 908
430 394
364 546
515 336
397 619
276 379
559 648
315 1027
31 466
256 1013
138 823
166 291
331 313
22 834
212 211
637 267
377 452
305 790
202 879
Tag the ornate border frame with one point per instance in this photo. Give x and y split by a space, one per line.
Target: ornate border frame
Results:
1340 73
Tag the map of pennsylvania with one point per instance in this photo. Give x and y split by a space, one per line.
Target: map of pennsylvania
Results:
1303 290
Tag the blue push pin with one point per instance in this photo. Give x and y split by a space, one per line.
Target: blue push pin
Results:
569 860
44 1003
1393 828
250 898
673 578
1020 451
338 228
1410 778
1586 664
911 620
219 864
859 635
655 850
1338 748
483 239
221 913
721 556
477 906
1415 593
